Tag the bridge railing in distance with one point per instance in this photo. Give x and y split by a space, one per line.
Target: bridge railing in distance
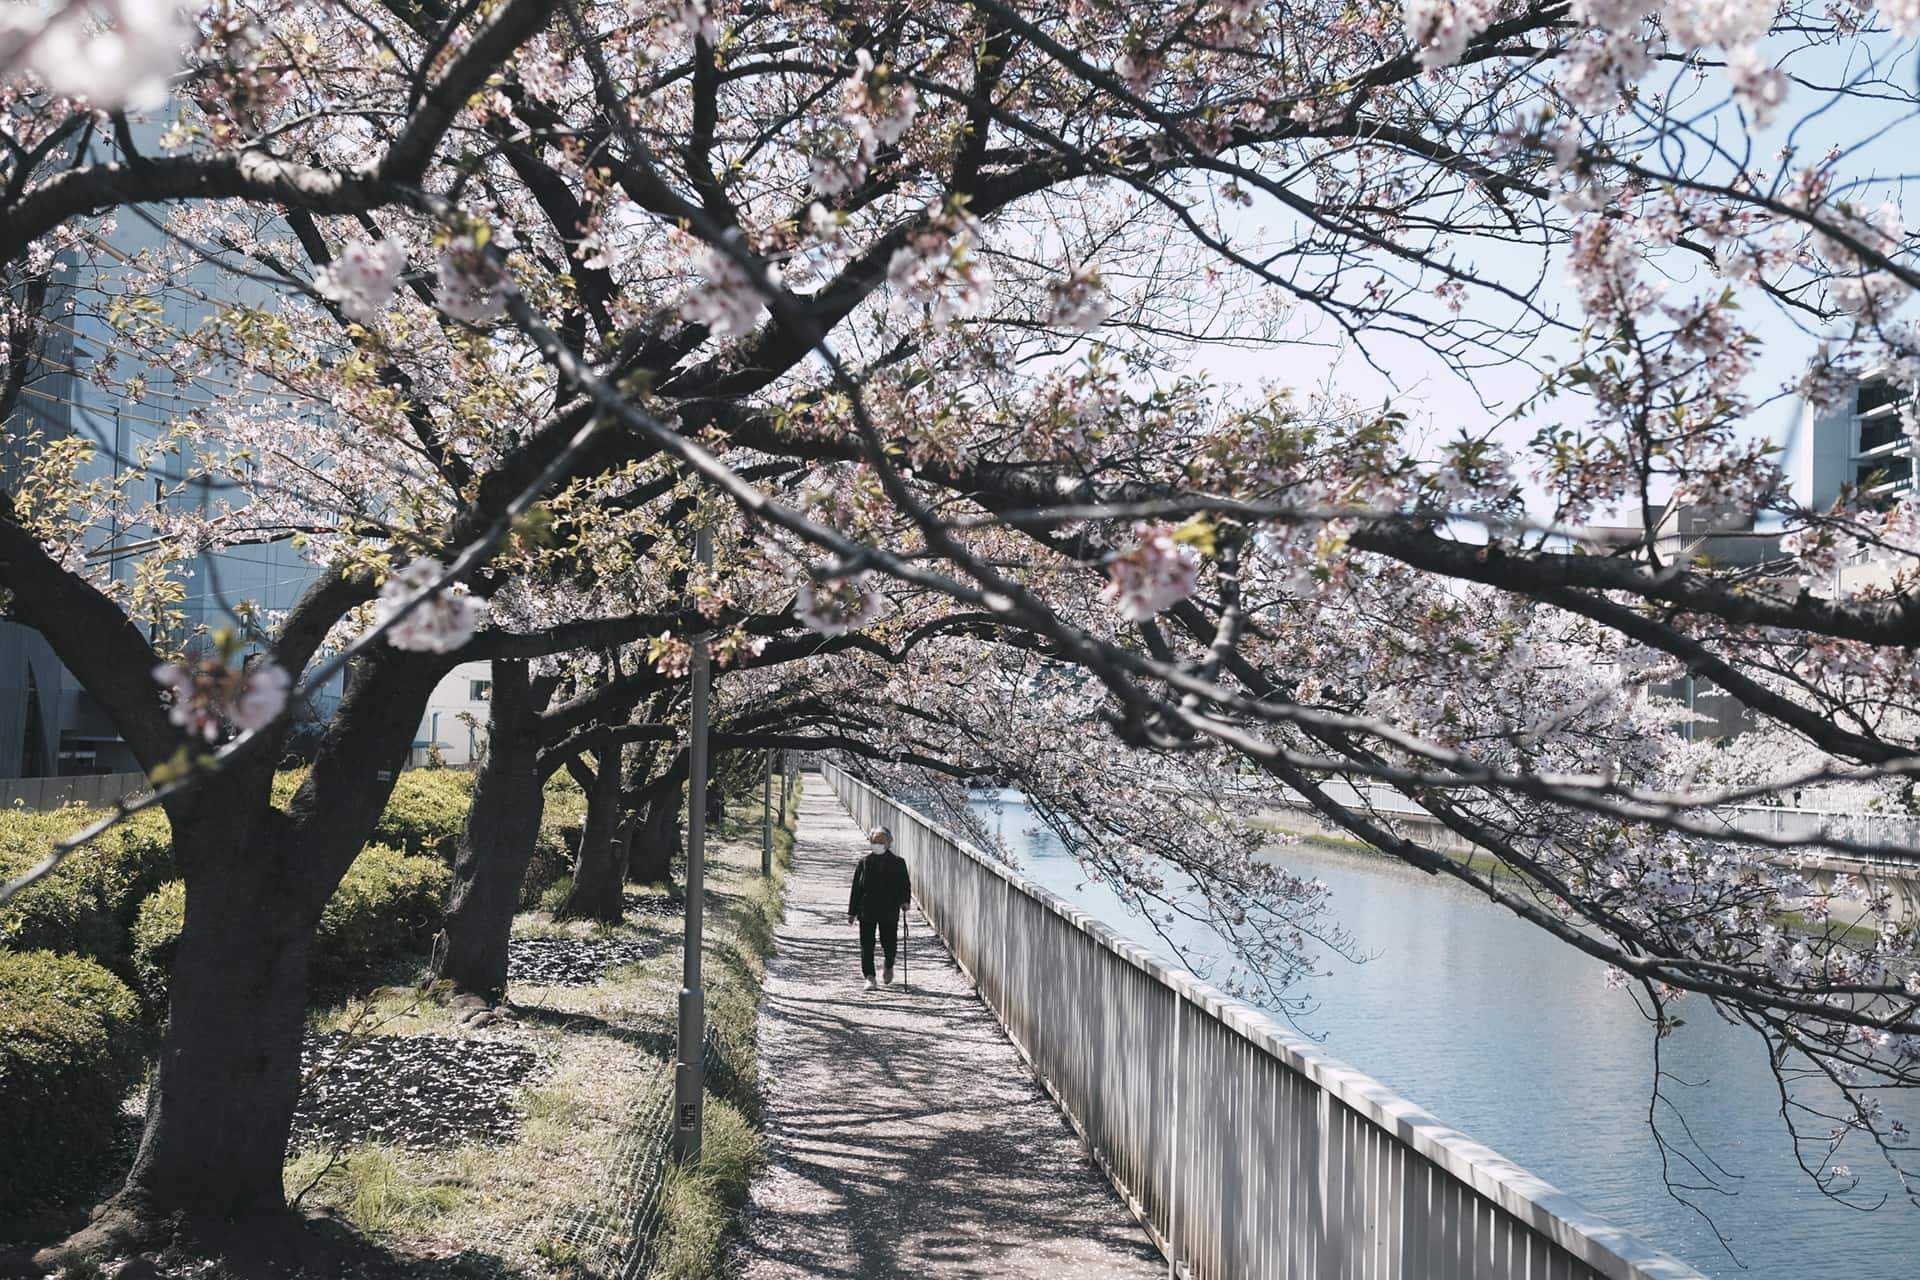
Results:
1242 1150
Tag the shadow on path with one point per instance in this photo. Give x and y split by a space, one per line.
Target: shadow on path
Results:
906 1136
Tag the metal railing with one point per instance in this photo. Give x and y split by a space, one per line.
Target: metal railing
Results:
1242 1150
1885 829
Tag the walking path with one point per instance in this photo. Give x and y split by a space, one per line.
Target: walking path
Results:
906 1136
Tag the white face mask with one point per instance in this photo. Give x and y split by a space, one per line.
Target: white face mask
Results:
878 844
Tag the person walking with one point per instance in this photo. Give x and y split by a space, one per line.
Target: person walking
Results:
881 890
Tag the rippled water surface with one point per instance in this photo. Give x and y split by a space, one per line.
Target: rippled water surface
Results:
1514 1039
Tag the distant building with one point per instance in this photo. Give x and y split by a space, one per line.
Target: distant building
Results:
1707 537
1717 537
49 725
1860 447
455 721
1861 444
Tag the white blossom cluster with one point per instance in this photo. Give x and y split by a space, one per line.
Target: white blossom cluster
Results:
834 605
1157 574
1078 303
876 111
113 53
938 269
727 301
440 623
471 287
363 278
207 696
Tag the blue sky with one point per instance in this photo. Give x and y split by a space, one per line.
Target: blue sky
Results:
1880 136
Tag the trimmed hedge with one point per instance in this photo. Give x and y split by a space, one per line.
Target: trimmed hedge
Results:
426 812
563 816
89 903
71 1048
155 929
388 903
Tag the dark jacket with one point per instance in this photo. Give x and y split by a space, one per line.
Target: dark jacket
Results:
881 886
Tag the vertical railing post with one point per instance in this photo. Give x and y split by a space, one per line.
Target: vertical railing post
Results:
1175 1074
766 818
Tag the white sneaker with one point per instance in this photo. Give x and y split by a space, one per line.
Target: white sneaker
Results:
889 975
874 986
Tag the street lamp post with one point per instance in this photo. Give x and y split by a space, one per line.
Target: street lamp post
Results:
766 818
689 1072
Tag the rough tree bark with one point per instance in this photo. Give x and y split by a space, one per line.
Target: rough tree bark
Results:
497 842
599 871
656 840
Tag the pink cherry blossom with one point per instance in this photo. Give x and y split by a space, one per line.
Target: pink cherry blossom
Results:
441 623
364 276
1155 575
727 301
1078 303
1758 86
113 53
834 605
206 695
263 696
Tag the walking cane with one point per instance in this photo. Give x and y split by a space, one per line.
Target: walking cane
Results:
906 935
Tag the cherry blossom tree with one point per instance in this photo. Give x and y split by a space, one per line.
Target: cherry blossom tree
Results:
914 294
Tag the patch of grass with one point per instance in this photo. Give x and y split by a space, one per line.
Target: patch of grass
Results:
382 1190
553 1112
700 1207
393 1011
555 894
1855 935
1474 860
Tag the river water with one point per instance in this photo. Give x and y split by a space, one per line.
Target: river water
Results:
1514 1039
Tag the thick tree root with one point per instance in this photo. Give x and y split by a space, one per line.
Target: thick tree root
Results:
279 1245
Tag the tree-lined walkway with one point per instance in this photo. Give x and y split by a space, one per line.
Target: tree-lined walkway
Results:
906 1136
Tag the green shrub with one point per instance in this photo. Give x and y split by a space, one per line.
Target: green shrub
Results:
387 903
563 814
285 783
87 905
553 851
107 901
425 813
155 930
70 1049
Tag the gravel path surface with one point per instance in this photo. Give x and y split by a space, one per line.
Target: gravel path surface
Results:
906 1136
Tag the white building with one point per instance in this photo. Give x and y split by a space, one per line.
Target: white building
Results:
1860 442
455 720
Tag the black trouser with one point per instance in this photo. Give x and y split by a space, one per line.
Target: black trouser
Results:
889 940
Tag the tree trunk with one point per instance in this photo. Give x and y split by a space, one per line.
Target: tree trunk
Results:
599 870
656 841
497 842
228 1073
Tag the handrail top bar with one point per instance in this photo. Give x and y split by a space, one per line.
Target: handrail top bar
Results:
1609 1249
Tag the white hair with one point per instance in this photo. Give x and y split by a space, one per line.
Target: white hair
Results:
881 834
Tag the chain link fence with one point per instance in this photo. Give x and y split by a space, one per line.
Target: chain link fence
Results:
615 1237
